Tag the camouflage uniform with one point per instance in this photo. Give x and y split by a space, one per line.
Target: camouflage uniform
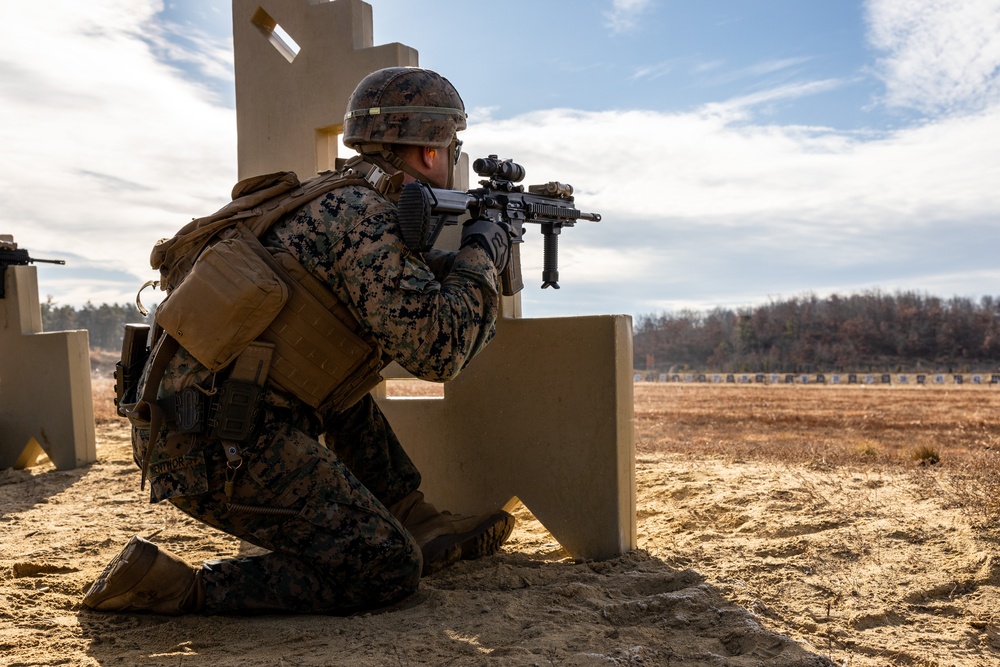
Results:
335 548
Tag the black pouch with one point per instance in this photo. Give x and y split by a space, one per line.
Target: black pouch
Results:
187 410
236 413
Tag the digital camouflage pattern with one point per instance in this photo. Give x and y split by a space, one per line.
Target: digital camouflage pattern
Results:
432 327
395 87
335 548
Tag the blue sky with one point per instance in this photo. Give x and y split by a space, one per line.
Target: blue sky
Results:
738 151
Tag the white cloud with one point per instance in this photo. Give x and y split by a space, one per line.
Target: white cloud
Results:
211 57
702 195
624 14
939 56
106 147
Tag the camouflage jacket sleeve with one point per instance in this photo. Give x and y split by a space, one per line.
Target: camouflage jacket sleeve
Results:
431 325
440 262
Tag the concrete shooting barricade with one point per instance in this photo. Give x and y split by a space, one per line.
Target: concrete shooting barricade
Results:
556 429
46 402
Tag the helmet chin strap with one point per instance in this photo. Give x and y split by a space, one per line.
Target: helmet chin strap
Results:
397 162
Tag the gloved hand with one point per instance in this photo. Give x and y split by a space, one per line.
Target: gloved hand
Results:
493 237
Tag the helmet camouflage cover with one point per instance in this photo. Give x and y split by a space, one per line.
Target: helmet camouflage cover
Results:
403 105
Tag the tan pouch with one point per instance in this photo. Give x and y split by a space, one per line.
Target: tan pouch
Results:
227 300
318 356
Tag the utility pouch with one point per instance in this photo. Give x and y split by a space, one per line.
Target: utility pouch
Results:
128 370
189 410
236 410
227 300
319 356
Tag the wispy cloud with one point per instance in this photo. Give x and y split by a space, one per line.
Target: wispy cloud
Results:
786 67
938 56
109 146
712 72
106 147
738 107
186 46
624 15
777 65
721 211
652 72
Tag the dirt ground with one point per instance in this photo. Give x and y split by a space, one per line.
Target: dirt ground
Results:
776 526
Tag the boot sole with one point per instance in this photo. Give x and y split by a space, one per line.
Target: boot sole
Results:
122 574
487 539
484 540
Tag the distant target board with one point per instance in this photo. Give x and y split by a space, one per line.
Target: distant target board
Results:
828 379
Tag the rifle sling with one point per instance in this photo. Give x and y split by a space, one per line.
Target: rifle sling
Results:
158 366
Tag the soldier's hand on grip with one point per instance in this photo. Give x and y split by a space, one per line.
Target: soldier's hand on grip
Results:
494 238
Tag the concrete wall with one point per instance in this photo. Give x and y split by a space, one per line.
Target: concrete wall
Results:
46 400
544 415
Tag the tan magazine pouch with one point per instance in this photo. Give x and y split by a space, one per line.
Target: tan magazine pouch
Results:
224 303
319 356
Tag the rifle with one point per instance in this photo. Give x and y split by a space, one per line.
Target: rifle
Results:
10 255
424 211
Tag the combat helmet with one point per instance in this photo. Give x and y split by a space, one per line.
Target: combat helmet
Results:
403 105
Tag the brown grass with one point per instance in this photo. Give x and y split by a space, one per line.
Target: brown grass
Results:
104 399
818 424
948 439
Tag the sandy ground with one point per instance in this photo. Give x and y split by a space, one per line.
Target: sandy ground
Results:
741 561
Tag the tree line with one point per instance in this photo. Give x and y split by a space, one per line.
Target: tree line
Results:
105 323
872 331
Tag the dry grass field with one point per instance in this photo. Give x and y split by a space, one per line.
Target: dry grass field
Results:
863 520
777 525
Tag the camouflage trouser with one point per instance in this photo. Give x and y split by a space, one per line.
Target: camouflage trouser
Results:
364 441
340 550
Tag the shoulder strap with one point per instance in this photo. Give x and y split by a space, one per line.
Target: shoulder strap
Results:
146 407
314 188
258 202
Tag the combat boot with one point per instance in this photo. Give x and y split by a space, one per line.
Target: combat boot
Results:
145 578
444 538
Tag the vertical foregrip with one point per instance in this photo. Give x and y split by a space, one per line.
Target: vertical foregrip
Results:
550 258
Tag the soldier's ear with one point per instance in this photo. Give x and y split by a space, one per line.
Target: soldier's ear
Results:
429 155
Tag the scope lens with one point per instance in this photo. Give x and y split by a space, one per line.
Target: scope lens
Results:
485 166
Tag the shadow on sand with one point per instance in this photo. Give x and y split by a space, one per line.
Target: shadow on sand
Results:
506 610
